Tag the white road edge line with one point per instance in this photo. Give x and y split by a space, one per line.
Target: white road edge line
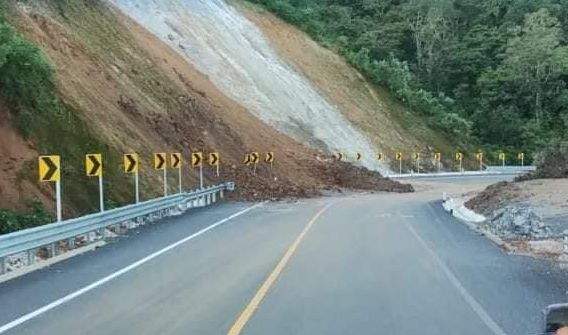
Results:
118 273
471 301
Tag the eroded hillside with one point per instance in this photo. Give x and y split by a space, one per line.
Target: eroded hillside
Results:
122 89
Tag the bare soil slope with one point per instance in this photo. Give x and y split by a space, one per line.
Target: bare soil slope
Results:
138 95
372 109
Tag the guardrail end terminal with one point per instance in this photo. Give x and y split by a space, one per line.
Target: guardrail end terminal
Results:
2 265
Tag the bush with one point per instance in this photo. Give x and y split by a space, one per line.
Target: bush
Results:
26 78
11 221
552 162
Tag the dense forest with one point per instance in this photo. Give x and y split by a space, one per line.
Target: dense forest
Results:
491 72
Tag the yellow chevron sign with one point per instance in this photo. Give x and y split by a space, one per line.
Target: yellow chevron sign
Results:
94 165
438 156
214 159
130 163
255 157
196 159
269 158
459 156
175 160
247 160
380 156
399 156
49 168
160 161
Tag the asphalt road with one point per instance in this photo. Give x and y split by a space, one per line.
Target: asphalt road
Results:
350 264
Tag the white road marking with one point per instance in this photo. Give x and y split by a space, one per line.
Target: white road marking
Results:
471 301
117 274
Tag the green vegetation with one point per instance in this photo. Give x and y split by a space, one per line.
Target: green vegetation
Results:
11 221
489 73
28 88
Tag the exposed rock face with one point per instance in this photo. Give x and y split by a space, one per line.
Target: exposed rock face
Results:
515 221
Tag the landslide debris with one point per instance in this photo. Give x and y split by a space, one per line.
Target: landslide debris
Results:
262 184
136 94
532 209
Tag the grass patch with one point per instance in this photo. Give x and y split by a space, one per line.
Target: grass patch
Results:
11 221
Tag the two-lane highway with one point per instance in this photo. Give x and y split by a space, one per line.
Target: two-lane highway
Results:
353 264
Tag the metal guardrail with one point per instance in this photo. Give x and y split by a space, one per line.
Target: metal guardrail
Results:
38 237
490 171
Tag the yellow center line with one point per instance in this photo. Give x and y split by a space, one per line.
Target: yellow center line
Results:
253 305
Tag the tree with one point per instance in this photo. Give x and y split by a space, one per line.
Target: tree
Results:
535 60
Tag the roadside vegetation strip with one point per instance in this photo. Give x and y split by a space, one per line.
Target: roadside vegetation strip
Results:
114 275
255 302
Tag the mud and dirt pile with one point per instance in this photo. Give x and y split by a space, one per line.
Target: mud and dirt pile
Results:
493 198
263 184
533 209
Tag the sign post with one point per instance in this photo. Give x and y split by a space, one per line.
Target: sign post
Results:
502 158
50 171
269 158
480 160
94 168
459 157
175 161
197 161
160 164
214 161
131 166
417 159
438 159
255 158
521 157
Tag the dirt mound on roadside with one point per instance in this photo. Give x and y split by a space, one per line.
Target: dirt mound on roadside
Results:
493 197
263 184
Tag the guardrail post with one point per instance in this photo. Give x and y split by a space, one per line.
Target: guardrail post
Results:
221 194
2 265
31 256
102 233
71 243
51 250
214 196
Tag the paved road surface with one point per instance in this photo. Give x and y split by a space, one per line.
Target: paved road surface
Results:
351 264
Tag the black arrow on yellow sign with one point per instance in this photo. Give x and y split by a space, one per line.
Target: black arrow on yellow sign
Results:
49 168
175 160
196 159
94 165
359 156
269 157
247 159
159 161
213 159
131 163
255 157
